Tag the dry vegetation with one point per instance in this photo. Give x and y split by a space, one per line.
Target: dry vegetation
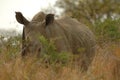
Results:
106 66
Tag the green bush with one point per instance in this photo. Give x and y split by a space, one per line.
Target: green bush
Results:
50 53
108 30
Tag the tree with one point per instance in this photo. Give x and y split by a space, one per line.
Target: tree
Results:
90 11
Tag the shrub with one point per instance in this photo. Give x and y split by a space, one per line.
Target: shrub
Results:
108 30
50 54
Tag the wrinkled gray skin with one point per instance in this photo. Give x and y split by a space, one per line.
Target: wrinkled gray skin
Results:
69 35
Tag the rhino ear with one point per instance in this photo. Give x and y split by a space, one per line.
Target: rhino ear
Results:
21 19
49 19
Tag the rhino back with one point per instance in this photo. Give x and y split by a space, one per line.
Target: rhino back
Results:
77 34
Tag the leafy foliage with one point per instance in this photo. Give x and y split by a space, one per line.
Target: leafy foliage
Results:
88 11
50 54
109 30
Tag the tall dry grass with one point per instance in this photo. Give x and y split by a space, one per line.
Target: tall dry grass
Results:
105 66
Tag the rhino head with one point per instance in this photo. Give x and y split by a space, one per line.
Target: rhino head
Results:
32 30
